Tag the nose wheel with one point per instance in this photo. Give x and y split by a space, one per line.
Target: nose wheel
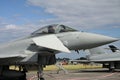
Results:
42 79
112 67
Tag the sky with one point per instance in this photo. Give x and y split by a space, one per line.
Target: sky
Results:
19 18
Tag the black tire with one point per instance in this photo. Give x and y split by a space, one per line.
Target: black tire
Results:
112 70
42 79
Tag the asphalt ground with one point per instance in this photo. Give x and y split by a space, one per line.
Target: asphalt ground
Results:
84 74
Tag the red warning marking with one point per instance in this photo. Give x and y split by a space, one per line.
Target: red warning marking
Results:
104 76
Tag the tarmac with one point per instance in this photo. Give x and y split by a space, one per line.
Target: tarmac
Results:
84 74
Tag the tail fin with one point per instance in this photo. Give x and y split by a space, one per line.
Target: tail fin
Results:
96 51
113 48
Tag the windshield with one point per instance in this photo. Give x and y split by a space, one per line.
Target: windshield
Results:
53 29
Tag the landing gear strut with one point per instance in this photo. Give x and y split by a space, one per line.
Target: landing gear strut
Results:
40 67
111 67
44 60
40 72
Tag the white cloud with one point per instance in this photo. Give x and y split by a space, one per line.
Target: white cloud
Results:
18 28
86 13
11 26
7 27
12 31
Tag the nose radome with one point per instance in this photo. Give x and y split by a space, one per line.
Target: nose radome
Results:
99 39
105 39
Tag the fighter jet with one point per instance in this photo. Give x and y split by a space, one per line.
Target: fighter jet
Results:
98 55
109 60
39 48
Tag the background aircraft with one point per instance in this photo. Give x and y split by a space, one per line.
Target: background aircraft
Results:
109 60
98 55
39 49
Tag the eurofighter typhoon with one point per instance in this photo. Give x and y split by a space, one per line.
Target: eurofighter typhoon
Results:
39 48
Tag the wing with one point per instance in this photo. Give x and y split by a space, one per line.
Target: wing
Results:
106 57
107 60
51 42
14 55
26 50
17 48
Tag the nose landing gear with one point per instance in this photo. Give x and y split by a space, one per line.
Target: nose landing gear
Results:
40 72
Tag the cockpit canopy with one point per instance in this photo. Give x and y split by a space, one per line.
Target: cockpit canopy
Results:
53 29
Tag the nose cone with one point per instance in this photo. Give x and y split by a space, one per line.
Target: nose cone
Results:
103 39
95 40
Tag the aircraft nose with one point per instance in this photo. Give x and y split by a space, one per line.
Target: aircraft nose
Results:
104 39
98 40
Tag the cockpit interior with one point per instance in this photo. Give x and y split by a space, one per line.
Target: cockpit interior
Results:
53 29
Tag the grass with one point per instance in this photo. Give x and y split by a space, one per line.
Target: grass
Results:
73 67
67 67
